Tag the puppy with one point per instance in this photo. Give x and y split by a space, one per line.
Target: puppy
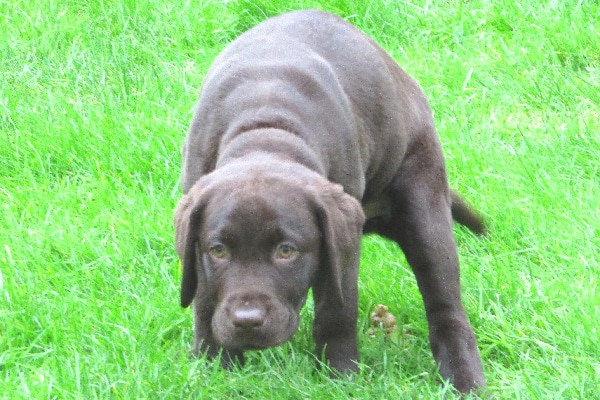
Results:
306 136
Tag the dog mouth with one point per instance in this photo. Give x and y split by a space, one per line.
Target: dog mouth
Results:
250 341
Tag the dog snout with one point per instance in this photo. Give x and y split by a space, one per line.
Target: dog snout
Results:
249 310
252 321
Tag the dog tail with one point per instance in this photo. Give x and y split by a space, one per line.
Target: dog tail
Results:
464 215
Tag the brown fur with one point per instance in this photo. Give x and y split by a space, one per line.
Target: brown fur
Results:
302 123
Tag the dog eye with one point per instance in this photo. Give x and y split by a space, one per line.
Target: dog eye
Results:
218 251
285 251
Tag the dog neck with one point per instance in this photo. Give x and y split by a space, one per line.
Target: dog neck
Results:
277 143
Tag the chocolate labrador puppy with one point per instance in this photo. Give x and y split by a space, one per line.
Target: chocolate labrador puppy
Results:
307 135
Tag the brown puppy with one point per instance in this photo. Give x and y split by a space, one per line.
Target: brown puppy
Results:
307 135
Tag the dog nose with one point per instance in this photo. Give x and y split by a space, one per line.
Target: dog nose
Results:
244 317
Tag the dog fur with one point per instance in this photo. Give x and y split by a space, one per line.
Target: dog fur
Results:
306 136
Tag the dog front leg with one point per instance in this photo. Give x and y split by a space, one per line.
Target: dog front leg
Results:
334 329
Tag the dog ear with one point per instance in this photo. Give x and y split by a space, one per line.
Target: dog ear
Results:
341 219
188 217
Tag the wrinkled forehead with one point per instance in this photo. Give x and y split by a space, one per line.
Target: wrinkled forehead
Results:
262 209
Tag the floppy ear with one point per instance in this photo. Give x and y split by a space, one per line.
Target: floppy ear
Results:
188 216
341 219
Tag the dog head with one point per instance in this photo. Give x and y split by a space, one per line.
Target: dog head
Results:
253 239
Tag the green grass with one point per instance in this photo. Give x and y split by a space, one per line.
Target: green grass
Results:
95 99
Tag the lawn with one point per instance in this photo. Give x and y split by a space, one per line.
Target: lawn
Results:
95 100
